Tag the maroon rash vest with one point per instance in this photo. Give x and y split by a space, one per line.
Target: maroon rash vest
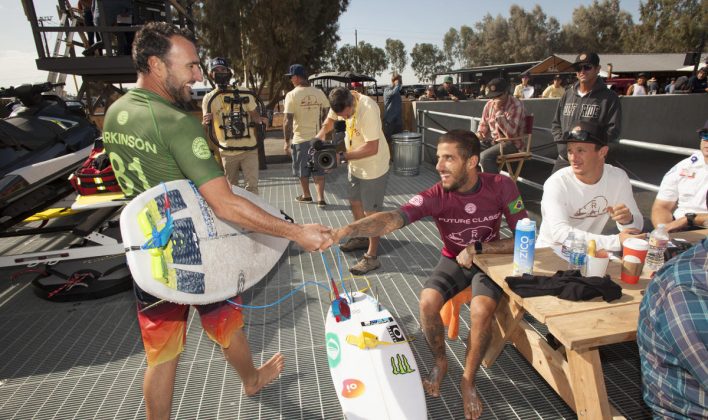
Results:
464 218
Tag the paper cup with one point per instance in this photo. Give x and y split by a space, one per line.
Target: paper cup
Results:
596 267
631 269
637 247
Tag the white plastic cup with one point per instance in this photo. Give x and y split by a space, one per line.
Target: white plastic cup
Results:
595 266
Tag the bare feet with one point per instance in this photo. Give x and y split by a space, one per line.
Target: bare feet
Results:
432 383
470 400
265 374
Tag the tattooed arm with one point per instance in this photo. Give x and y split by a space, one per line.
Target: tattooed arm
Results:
377 224
287 131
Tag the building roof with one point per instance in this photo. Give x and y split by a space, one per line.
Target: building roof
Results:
489 68
634 63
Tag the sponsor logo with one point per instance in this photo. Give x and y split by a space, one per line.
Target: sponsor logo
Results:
400 365
334 351
122 117
594 208
467 236
694 159
241 285
376 321
416 200
516 205
473 220
470 208
396 334
352 388
200 148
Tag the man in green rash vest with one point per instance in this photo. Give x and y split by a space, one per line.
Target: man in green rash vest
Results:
150 139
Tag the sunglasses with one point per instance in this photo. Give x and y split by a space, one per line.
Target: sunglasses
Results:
704 135
583 67
581 135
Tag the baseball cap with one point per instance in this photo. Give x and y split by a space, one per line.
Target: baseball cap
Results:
218 62
587 58
497 87
585 132
296 70
644 75
557 76
704 129
447 79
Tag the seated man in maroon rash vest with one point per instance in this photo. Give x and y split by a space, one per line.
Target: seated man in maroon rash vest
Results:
467 207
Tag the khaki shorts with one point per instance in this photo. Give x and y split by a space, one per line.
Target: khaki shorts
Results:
370 192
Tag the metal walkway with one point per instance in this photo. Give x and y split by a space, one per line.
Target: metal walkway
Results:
85 360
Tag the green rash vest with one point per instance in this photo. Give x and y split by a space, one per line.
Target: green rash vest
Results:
149 141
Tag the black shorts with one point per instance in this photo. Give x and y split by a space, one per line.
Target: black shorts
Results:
449 279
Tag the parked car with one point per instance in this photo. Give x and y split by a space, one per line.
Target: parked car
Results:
413 91
620 84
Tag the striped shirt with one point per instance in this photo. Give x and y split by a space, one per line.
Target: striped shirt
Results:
507 122
672 336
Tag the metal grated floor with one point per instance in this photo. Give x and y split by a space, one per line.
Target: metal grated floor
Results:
85 360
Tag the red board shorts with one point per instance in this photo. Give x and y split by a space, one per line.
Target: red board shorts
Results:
164 326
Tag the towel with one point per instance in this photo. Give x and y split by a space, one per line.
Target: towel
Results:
568 284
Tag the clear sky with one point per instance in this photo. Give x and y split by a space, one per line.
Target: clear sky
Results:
411 21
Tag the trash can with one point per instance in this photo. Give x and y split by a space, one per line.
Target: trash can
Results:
406 153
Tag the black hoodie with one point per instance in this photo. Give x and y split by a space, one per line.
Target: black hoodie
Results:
601 105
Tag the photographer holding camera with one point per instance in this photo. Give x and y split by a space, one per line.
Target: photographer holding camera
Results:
231 118
304 110
368 156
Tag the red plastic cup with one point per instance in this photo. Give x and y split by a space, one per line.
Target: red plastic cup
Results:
634 254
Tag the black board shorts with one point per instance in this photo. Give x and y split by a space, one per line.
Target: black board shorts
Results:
449 278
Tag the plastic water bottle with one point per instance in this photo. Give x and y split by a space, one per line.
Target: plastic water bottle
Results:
524 246
576 259
658 241
568 244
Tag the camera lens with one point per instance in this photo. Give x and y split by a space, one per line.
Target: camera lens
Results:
325 160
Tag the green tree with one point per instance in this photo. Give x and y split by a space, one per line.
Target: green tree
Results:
670 25
467 39
524 36
451 46
601 27
365 59
262 37
426 61
396 55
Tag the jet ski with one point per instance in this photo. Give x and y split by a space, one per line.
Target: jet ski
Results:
42 141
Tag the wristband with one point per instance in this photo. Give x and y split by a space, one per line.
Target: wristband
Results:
478 247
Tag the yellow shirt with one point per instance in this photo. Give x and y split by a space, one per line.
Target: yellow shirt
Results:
219 109
306 105
553 92
363 126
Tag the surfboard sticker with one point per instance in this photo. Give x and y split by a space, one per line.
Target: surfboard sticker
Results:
206 259
372 365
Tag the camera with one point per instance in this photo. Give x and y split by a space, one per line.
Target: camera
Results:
235 122
323 155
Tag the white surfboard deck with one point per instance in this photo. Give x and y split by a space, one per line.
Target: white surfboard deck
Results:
373 383
208 260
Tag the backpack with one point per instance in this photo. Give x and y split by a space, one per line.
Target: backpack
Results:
96 173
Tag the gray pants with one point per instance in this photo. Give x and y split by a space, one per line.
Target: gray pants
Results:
488 158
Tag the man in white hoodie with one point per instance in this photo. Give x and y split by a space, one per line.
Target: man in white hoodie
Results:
585 195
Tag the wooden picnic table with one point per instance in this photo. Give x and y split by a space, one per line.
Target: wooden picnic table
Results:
574 369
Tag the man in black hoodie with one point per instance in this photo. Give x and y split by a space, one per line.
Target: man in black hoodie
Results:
587 100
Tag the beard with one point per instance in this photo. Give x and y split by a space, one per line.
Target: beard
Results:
181 95
457 182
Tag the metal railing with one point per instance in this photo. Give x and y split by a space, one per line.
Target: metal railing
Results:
422 128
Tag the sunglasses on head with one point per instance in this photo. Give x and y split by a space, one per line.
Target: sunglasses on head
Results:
581 135
583 67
